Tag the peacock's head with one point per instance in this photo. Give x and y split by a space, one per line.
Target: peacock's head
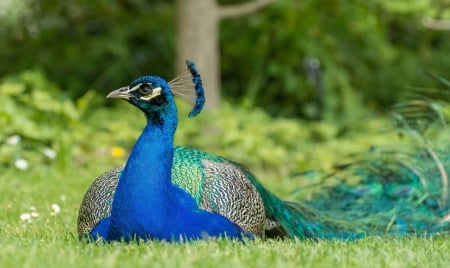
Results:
148 93
153 94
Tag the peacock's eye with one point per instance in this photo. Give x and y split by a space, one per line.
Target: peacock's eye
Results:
145 89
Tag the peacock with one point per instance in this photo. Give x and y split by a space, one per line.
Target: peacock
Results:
175 193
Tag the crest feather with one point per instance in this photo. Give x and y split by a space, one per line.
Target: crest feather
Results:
188 86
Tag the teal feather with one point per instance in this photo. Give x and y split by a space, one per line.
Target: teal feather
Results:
390 193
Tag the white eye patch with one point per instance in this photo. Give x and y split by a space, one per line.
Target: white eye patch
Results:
155 92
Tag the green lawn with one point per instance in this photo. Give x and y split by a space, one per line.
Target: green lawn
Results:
51 240
51 244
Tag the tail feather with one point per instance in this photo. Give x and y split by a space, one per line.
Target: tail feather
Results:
298 220
381 193
390 194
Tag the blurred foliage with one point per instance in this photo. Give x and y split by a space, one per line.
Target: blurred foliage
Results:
369 51
31 118
88 44
424 107
39 124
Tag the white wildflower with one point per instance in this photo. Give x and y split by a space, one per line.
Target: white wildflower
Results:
34 214
55 209
62 197
28 216
50 153
13 140
21 164
25 217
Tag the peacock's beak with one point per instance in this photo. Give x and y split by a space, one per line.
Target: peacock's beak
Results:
121 93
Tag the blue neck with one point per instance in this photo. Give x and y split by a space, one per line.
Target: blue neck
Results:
157 164
142 197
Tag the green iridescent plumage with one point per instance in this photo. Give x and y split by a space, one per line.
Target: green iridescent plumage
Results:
390 192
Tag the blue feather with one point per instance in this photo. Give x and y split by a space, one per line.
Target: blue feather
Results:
197 80
189 87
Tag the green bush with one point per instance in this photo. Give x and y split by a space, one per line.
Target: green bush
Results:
35 119
41 126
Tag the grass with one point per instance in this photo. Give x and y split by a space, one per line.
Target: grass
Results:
51 240
44 246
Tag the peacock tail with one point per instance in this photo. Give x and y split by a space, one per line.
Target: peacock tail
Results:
390 192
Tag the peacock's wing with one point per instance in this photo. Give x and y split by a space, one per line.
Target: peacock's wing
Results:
219 186
97 202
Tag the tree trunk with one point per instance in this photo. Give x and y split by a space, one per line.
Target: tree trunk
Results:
198 41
